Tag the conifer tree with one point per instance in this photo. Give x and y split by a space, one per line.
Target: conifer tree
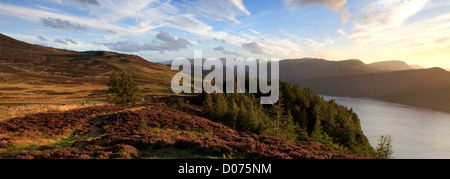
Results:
232 113
208 105
220 107
384 149
242 118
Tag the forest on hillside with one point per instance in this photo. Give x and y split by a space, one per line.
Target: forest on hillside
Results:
299 115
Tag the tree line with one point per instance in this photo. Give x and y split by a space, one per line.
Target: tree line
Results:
299 115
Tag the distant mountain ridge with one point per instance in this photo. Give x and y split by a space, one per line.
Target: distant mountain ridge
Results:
308 68
425 88
391 65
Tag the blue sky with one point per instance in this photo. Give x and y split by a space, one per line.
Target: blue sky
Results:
415 31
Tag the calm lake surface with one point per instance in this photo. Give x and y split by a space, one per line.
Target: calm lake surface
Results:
417 133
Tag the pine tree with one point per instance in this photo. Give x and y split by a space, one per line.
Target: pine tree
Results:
384 149
278 112
220 107
242 118
208 105
232 113
252 121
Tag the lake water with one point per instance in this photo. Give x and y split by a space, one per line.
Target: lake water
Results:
417 133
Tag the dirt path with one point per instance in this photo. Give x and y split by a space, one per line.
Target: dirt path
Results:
96 127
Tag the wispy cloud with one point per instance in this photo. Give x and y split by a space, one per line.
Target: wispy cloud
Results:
218 10
332 4
308 41
90 2
41 38
254 31
65 41
219 40
60 24
380 16
165 42
336 5
225 51
60 21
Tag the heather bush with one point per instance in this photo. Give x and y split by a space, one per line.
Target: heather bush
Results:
118 151
186 132
2 145
125 136
55 124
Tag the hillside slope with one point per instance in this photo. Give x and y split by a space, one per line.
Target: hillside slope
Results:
391 65
307 68
30 73
20 61
425 88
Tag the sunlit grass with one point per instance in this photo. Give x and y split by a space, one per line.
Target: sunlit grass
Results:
9 112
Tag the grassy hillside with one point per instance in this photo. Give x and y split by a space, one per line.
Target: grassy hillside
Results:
35 74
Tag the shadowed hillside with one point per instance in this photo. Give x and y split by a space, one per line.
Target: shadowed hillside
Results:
426 88
391 65
308 68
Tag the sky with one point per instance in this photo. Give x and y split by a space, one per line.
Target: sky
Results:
414 31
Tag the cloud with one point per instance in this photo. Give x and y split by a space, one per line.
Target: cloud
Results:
307 41
164 42
218 10
66 41
95 21
219 40
111 32
130 20
442 40
253 47
220 48
70 41
240 6
225 51
332 4
60 24
380 16
147 15
335 5
254 31
90 2
143 16
42 38
60 41
169 42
